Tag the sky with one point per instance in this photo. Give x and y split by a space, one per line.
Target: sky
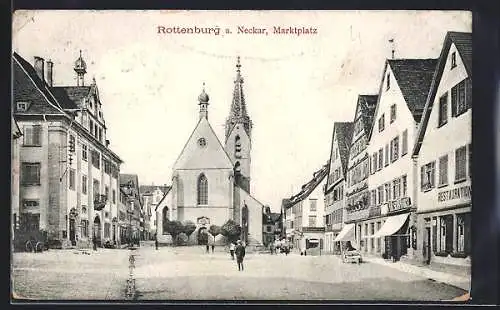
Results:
295 87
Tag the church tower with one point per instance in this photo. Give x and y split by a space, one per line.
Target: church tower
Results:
238 127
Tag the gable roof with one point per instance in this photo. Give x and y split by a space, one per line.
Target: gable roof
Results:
29 87
70 96
149 189
463 42
366 105
212 156
342 133
310 186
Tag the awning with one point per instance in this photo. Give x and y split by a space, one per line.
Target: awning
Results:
391 225
346 234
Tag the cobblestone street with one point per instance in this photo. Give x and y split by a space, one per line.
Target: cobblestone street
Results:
190 273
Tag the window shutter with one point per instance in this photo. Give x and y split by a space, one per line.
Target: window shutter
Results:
468 93
454 101
422 176
37 130
28 134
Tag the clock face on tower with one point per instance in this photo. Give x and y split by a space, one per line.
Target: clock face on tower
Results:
202 142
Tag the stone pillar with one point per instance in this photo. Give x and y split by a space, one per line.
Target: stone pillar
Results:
454 247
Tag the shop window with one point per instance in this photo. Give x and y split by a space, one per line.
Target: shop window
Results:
463 233
460 164
434 235
446 234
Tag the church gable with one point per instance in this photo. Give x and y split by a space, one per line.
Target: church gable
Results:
203 150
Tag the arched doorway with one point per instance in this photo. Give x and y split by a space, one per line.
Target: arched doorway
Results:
202 236
97 229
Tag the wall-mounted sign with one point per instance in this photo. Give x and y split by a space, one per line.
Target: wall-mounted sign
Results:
203 221
313 229
463 192
399 204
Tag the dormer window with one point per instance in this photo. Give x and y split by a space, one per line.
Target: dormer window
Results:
453 60
22 106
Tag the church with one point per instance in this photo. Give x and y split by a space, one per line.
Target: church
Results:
211 180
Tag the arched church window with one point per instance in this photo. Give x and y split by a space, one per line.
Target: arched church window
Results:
202 190
237 147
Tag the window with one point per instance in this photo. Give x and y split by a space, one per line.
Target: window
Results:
443 110
106 191
202 190
114 195
84 184
237 147
387 190
446 233
269 229
30 173
380 158
378 239
91 124
380 190
312 220
388 81
84 152
312 204
374 197
404 147
96 160
96 188
72 179
470 160
85 228
396 188
463 233
443 170
458 102
460 164
100 134
453 60
404 185
381 123
375 161
372 231
22 106
394 149
434 234
427 176
32 135
393 113
387 155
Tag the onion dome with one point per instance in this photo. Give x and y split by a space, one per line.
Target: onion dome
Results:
203 97
80 64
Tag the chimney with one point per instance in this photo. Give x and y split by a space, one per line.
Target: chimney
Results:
50 65
39 67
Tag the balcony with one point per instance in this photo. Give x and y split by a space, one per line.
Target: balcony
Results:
100 202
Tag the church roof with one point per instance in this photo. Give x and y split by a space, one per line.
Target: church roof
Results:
212 155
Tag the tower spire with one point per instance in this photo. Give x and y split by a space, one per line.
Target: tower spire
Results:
238 112
80 69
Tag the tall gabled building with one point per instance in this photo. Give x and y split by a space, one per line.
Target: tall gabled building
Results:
335 184
403 89
69 174
443 156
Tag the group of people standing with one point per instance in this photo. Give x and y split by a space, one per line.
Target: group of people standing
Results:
279 247
237 249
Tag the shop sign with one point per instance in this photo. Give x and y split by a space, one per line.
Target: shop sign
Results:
399 204
313 229
456 193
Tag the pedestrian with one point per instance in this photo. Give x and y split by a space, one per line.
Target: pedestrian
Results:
271 247
231 249
240 255
213 247
208 248
156 243
94 241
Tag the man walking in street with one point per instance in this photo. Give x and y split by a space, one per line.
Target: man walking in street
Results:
213 247
208 248
240 255
94 241
231 249
156 243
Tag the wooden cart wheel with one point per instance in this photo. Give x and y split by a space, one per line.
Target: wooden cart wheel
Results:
29 246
